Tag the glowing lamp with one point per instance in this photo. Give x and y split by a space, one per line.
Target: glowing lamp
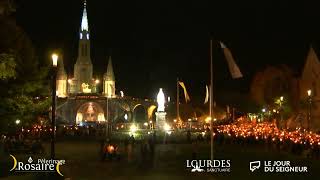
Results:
166 127
309 92
208 119
54 60
133 128
110 149
281 98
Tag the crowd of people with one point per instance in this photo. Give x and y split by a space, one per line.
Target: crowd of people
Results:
20 144
130 150
299 141
98 130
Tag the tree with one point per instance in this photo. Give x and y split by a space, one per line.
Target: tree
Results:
23 81
7 66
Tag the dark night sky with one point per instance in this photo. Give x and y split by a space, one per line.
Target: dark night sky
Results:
153 42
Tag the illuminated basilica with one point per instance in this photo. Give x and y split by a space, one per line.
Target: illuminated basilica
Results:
82 81
80 102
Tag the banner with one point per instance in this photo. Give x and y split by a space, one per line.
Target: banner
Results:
233 67
207 95
186 96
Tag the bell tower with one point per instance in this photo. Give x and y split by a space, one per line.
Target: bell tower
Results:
83 67
109 83
61 80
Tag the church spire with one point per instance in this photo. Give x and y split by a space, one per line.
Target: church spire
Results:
83 68
61 80
61 73
109 83
84 28
84 21
110 75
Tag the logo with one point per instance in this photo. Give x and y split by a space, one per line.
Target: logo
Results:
41 165
30 160
209 165
278 167
197 169
254 165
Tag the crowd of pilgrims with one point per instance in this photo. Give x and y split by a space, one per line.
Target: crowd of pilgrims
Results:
246 134
267 135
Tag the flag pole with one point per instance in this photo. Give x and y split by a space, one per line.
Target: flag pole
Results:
178 115
211 100
107 121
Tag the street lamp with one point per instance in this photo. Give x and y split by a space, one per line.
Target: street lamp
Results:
211 105
151 124
281 101
17 123
263 111
53 110
280 110
309 92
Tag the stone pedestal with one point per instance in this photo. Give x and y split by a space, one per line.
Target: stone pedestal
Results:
160 120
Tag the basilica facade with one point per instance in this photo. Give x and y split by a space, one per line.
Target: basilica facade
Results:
79 101
82 81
